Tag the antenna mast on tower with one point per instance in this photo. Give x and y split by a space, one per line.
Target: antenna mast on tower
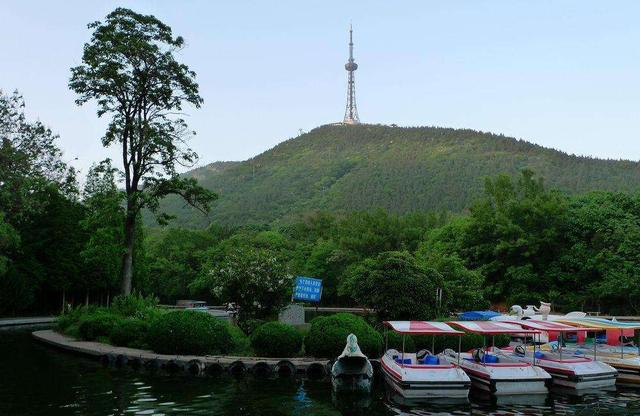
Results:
351 112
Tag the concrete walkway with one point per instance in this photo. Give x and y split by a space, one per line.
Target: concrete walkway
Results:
34 320
110 353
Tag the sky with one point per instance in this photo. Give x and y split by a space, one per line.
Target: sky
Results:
562 74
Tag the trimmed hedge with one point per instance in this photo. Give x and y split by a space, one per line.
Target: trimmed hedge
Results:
189 332
275 339
130 332
240 344
328 336
98 324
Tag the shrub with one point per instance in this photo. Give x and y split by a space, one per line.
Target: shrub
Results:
395 285
328 336
240 344
189 332
275 339
134 305
130 332
69 318
97 324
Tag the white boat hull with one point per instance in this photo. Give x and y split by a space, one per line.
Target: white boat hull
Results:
568 371
425 381
510 378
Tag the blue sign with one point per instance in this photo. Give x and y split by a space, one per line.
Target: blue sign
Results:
307 289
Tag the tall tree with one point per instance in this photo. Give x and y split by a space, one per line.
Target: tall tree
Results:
103 224
130 70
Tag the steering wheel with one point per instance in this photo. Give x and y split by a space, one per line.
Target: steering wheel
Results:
520 350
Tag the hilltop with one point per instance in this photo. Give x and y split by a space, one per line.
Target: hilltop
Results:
400 169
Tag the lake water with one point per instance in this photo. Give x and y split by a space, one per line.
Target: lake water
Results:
38 380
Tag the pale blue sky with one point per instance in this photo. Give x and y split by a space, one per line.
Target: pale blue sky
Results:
564 74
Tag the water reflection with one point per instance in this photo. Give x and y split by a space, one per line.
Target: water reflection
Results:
37 380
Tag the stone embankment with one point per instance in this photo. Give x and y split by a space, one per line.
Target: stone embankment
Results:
196 365
34 320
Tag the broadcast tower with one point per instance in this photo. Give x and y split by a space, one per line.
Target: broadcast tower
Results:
351 112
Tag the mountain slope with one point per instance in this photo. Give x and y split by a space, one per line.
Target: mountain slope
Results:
400 169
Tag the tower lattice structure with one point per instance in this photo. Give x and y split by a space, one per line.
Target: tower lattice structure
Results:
351 111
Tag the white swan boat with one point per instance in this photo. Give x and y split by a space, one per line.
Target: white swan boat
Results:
570 369
498 374
352 371
423 375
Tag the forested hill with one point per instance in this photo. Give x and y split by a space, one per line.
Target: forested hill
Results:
399 169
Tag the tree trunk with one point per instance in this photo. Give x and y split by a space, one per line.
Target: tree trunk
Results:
64 300
108 297
86 298
127 257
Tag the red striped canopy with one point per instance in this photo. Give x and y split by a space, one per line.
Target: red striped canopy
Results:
492 327
422 327
547 325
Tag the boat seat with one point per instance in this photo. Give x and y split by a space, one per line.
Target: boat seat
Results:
490 359
429 360
539 355
406 361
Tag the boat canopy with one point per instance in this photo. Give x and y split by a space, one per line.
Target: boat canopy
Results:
477 315
547 325
600 323
492 327
422 327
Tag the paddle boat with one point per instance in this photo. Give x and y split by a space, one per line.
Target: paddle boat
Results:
571 369
498 374
625 359
352 371
423 375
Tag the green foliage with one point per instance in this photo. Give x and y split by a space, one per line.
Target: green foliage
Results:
469 341
128 61
98 324
394 340
256 279
189 332
129 332
328 336
240 343
104 224
135 305
462 288
395 286
398 169
275 339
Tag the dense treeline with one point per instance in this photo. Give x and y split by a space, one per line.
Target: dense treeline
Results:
57 244
401 170
520 242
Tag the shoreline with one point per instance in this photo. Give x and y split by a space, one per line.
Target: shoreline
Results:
193 364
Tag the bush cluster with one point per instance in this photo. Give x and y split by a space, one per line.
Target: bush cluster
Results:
96 325
130 332
275 339
328 336
189 332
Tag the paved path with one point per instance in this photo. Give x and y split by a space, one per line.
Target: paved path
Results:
34 320
97 349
